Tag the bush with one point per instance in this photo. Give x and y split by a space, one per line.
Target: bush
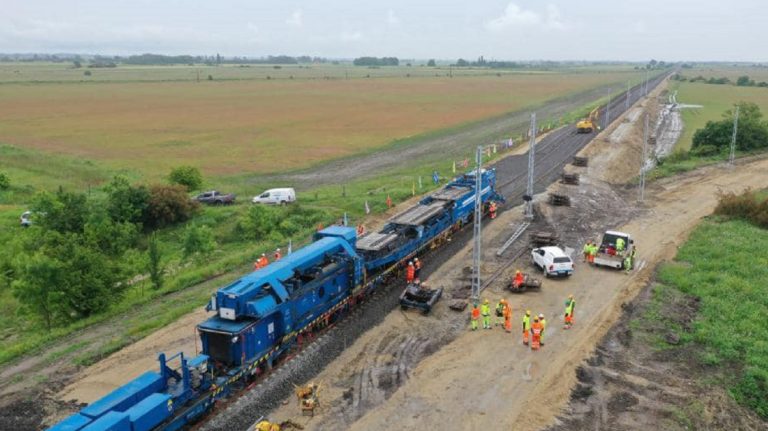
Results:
745 206
187 176
61 212
198 240
257 223
5 182
169 205
126 203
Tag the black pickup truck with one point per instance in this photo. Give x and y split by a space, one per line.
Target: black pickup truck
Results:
215 198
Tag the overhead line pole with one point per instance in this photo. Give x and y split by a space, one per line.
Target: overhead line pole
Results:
642 165
608 110
626 103
478 228
531 159
733 138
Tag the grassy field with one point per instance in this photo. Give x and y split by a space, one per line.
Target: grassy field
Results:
723 263
730 72
260 126
715 99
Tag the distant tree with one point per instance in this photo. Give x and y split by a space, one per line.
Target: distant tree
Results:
653 63
5 181
187 176
76 64
431 63
210 77
169 204
154 262
462 63
87 73
481 61
744 81
218 59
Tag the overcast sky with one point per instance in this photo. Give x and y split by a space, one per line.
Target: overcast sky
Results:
731 30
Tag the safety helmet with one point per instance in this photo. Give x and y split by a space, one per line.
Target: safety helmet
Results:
416 259
541 316
264 254
517 272
278 249
527 312
486 301
535 319
410 263
570 296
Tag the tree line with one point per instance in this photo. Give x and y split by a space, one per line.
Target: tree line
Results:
741 81
715 137
376 61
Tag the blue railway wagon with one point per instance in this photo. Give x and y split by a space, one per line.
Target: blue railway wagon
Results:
260 316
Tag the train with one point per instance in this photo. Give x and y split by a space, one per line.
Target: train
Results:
277 309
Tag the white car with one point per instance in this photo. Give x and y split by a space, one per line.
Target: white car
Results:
552 261
276 197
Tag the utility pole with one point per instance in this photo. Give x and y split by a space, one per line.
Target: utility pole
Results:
477 231
646 82
645 152
608 110
531 158
733 138
626 103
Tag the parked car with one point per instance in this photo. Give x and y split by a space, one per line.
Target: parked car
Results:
552 261
276 197
214 197
26 219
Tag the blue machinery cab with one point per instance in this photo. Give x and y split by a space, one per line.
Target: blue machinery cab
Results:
261 316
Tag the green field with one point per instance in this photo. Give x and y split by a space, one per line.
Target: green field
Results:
723 264
715 100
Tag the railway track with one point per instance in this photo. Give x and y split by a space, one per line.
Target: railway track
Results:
553 152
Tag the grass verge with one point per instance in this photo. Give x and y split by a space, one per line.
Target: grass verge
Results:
723 264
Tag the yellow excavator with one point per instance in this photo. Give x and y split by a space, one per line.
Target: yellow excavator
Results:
589 124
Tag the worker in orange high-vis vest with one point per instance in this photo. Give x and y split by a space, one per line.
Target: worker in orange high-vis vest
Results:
519 278
410 273
263 261
526 326
475 317
536 329
507 317
278 255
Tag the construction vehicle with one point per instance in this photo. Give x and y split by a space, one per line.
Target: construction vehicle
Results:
419 296
608 253
589 124
528 283
265 425
308 398
262 316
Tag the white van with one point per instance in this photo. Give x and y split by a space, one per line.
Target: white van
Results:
552 261
276 197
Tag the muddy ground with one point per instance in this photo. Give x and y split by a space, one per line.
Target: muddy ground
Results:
633 383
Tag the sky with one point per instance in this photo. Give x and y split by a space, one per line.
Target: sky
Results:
671 30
